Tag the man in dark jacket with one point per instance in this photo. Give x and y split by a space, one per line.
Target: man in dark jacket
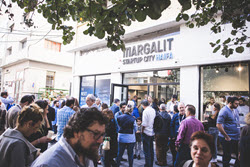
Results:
51 114
161 137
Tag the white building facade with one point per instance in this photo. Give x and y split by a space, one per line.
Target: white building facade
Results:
34 59
162 58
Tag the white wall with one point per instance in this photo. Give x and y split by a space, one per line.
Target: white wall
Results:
189 86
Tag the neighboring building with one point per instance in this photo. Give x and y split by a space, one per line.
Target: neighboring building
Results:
163 57
34 58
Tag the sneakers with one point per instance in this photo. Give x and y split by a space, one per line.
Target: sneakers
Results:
135 156
138 157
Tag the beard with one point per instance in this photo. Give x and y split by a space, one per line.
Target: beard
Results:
90 152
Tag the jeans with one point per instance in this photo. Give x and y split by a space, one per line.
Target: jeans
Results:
229 147
137 148
148 149
214 132
161 142
183 154
107 160
121 149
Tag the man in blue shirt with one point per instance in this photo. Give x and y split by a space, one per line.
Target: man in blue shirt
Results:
229 130
64 115
54 123
115 106
81 139
6 99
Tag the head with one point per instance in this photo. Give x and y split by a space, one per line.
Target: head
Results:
135 97
216 107
63 103
123 106
70 102
212 101
189 110
145 96
145 104
247 118
108 113
85 131
26 100
181 108
4 94
47 101
202 148
242 101
174 98
117 102
139 120
43 104
150 100
29 120
162 107
233 102
58 97
104 106
176 109
223 99
98 101
90 100
56 103
130 106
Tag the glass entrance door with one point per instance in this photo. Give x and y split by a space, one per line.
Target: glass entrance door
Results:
119 91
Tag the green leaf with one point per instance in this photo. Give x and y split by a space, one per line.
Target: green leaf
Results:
248 44
239 49
212 44
218 41
227 41
185 17
216 49
191 25
233 32
140 15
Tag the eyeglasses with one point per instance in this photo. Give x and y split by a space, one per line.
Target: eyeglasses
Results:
97 136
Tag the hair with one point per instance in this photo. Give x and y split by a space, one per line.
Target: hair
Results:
129 107
63 103
42 104
242 98
104 106
247 118
91 97
232 99
222 96
122 104
163 107
139 119
145 103
55 101
176 108
33 96
27 98
209 139
135 96
191 109
217 106
29 113
174 96
108 113
4 93
83 119
116 100
211 97
70 101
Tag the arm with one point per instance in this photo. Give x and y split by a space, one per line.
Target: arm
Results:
172 125
222 131
7 100
181 134
17 155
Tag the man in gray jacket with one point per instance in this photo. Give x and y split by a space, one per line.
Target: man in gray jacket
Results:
12 114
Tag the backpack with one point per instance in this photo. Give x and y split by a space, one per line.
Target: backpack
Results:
158 122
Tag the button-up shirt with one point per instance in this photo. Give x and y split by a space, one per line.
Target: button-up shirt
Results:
187 128
63 116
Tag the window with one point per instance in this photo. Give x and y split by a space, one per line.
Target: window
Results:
9 51
50 79
226 80
51 45
23 44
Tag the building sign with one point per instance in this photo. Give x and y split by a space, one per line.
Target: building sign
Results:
87 87
159 50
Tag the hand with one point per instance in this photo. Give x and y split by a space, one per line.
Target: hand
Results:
227 138
176 148
44 139
239 156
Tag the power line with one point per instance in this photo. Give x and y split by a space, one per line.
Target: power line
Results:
21 30
27 34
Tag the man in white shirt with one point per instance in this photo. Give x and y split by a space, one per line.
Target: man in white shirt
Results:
171 104
243 110
148 132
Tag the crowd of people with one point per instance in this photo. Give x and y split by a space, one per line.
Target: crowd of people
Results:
96 133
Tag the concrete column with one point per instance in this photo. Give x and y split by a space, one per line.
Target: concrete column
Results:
189 86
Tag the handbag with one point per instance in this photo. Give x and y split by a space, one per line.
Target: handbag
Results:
106 143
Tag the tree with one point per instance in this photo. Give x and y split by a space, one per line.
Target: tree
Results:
109 22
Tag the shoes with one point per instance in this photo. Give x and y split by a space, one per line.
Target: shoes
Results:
135 156
123 159
99 162
138 157
159 164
